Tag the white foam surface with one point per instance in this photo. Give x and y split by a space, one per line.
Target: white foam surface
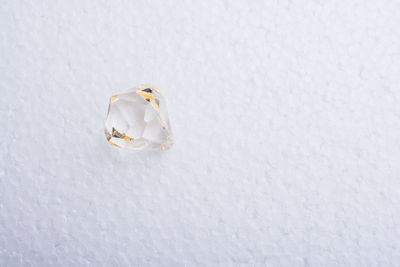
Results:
286 116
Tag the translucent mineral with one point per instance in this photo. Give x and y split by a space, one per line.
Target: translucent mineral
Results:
138 119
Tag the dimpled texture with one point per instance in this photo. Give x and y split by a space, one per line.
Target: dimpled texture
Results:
286 120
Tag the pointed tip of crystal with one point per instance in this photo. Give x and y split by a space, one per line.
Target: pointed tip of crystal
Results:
138 119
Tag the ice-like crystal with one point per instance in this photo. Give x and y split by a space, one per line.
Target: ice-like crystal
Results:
138 119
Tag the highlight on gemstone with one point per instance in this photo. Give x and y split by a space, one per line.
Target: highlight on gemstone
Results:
138 119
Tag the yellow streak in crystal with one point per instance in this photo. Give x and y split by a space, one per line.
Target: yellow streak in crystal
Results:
161 122
156 107
149 96
113 99
145 95
168 144
165 147
113 144
127 138
156 104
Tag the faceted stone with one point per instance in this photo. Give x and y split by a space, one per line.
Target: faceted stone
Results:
138 119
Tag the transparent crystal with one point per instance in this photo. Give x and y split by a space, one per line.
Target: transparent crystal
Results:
138 119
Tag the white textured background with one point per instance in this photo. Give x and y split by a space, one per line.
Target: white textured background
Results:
287 123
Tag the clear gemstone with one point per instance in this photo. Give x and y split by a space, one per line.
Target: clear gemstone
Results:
138 119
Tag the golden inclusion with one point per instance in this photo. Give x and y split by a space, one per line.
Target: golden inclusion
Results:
138 119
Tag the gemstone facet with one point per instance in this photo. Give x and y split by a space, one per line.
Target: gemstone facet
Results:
138 119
